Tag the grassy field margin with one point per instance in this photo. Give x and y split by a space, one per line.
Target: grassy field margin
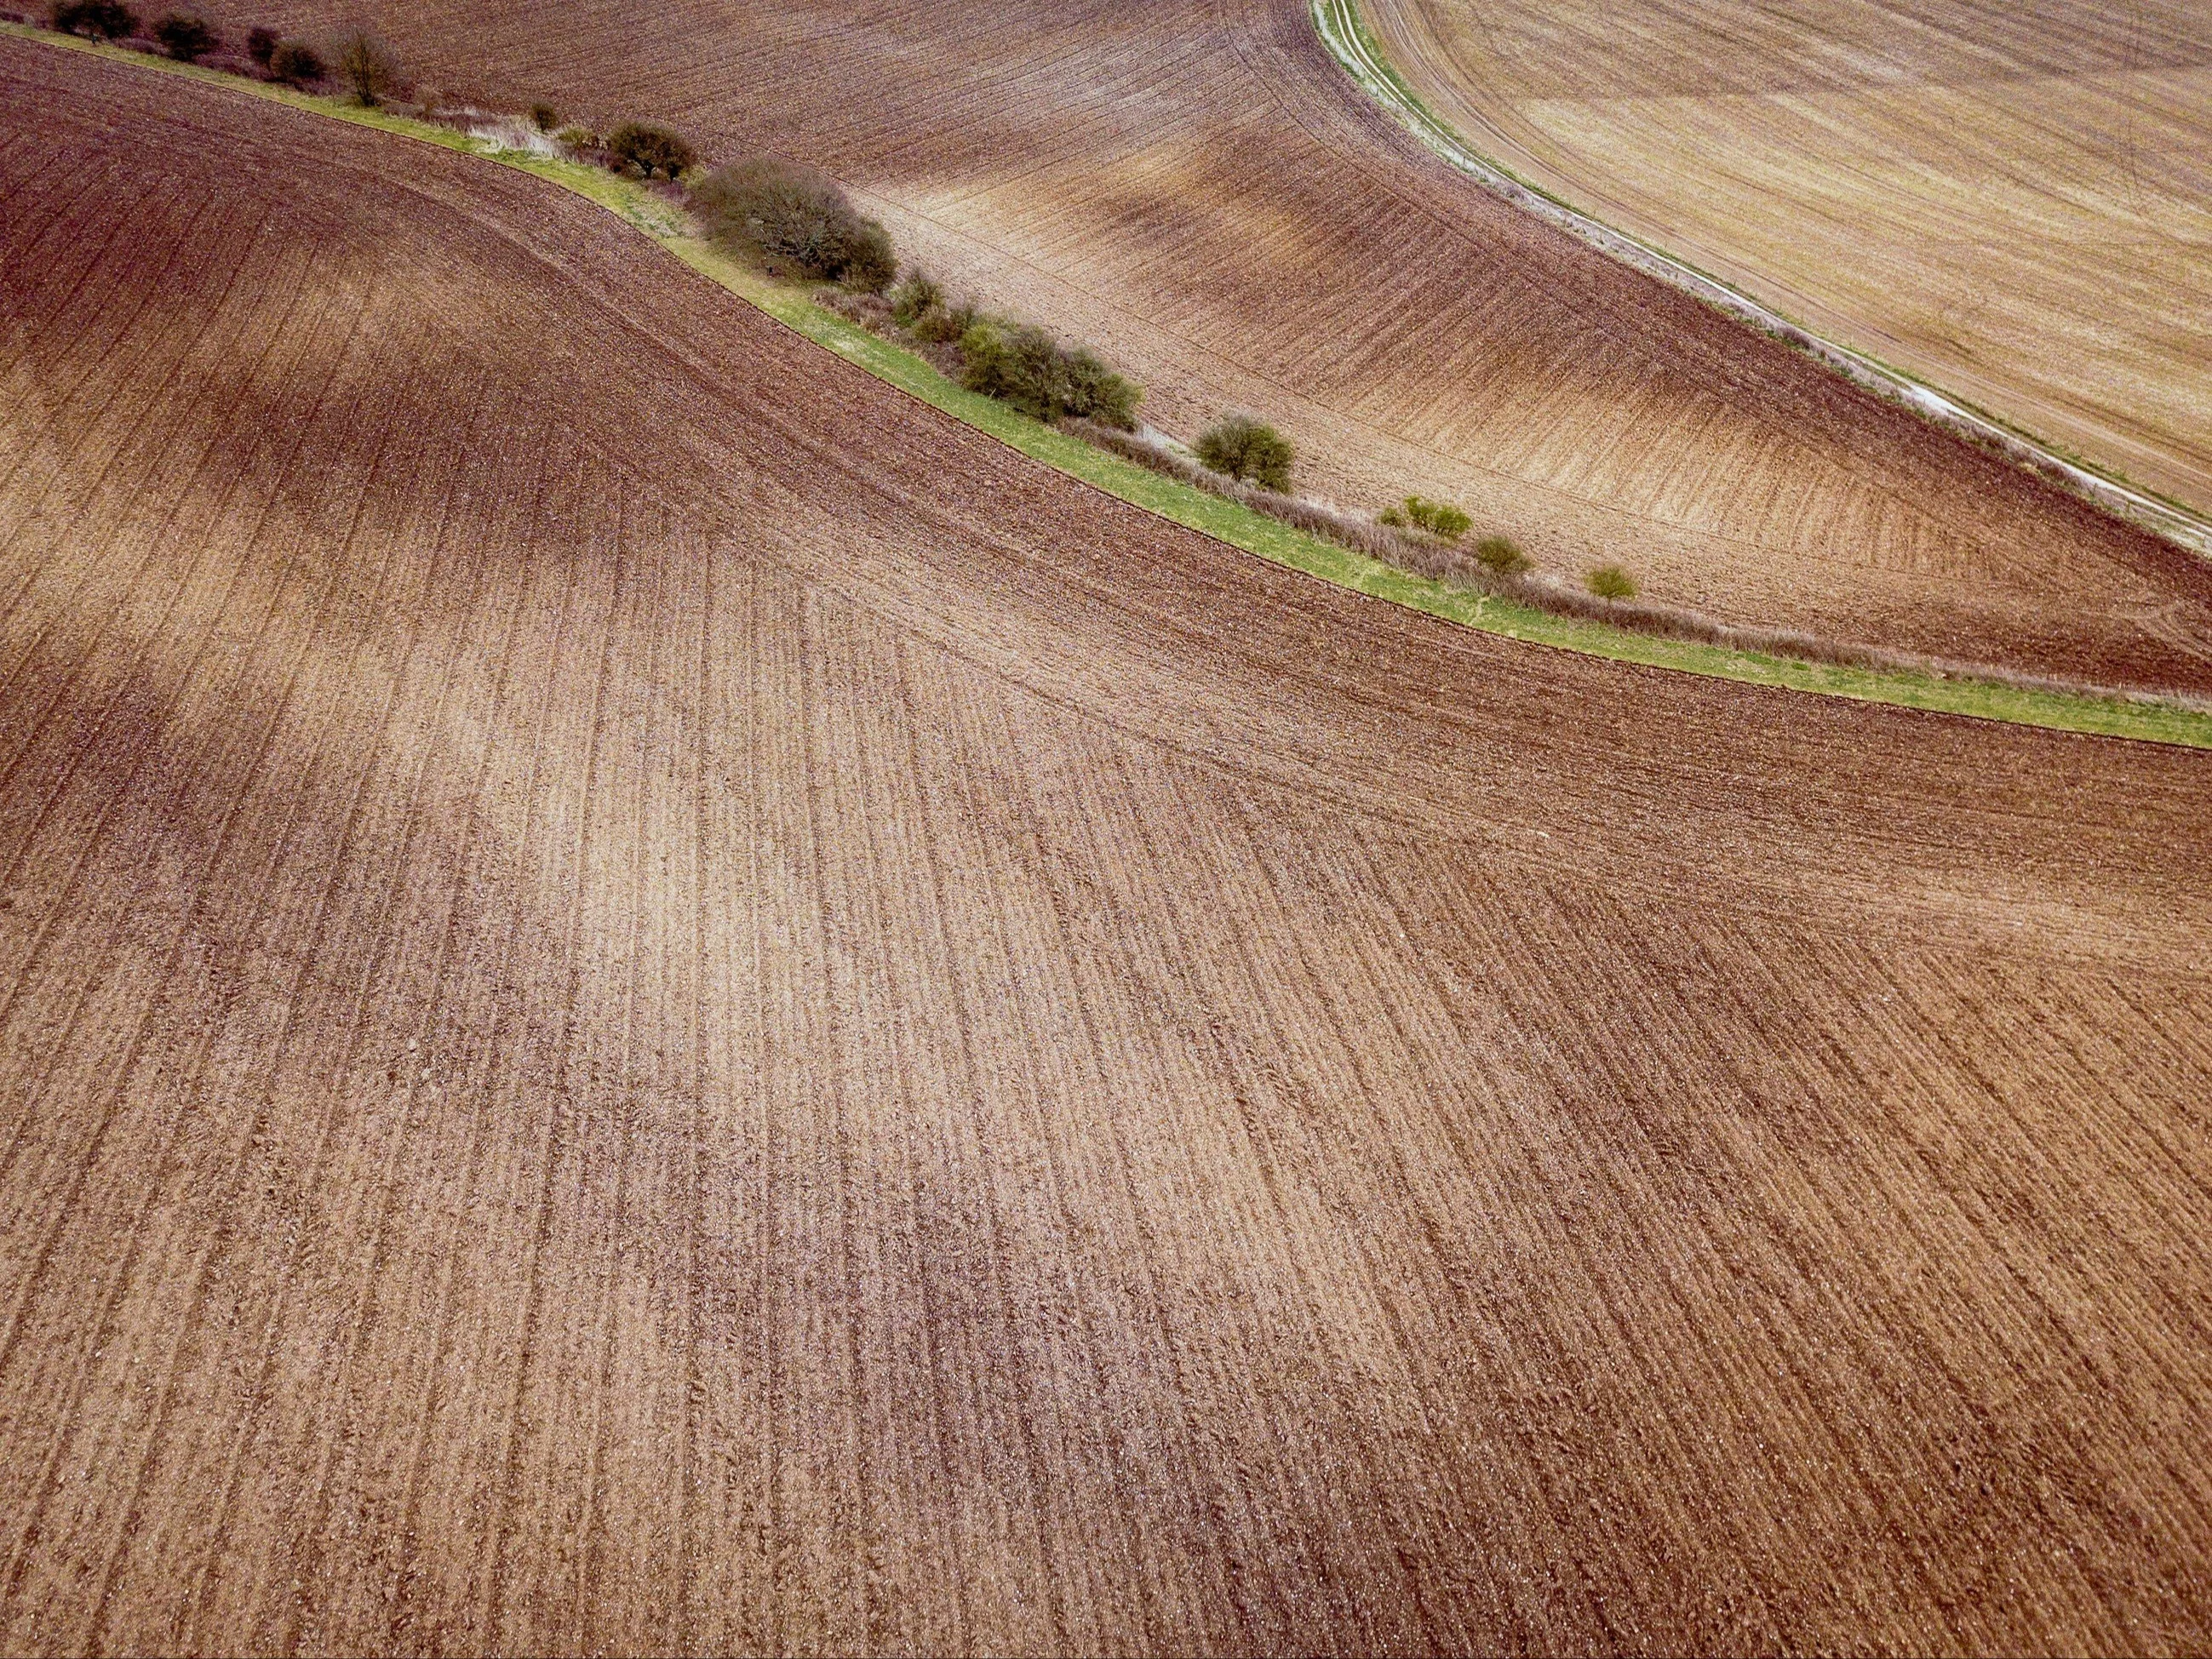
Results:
1226 521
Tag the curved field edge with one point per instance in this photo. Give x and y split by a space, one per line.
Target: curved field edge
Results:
1224 521
1363 55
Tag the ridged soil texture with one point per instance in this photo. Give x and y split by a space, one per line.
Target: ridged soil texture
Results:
653 999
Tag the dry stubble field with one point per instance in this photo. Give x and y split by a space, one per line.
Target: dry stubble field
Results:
650 998
2012 199
1196 188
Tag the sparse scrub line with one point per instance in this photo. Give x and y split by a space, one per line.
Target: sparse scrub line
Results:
1018 363
793 221
1422 537
1495 567
368 69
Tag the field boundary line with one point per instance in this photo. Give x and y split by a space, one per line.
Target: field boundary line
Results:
2145 717
1362 56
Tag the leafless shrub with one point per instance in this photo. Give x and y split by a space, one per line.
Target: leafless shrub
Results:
369 68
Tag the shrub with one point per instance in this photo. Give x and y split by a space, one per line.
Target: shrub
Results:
1028 368
1437 518
916 295
775 210
1610 581
104 20
1498 553
545 116
1245 448
650 149
369 68
261 45
1096 392
297 62
580 138
944 323
185 38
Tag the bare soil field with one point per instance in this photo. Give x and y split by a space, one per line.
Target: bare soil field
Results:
1198 189
2013 200
651 999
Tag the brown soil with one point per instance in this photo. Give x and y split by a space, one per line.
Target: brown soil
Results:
1194 187
650 998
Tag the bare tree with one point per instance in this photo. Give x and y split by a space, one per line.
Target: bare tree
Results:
369 68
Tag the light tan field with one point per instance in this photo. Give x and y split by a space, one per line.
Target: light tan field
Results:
651 999
1195 187
2012 200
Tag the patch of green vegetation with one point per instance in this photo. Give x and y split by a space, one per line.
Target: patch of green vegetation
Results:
794 306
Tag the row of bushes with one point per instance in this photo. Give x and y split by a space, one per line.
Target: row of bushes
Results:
371 71
783 213
1496 554
367 67
790 218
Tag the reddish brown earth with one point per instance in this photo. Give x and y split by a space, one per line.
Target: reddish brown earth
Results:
1194 186
650 998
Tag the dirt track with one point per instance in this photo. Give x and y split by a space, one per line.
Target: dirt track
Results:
649 999
1197 188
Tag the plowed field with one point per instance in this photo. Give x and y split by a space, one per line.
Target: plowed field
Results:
1194 186
2010 198
650 998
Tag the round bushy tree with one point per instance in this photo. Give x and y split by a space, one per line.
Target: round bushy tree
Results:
1498 553
1610 581
185 38
1247 449
296 62
102 20
776 210
651 150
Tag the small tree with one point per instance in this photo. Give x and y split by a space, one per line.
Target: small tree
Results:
545 116
185 38
296 62
775 210
369 68
945 322
1004 365
1610 581
1437 518
916 295
1245 448
1498 553
1097 394
102 20
261 44
651 150
866 260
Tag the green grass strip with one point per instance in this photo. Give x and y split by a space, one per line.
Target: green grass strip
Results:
1210 515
